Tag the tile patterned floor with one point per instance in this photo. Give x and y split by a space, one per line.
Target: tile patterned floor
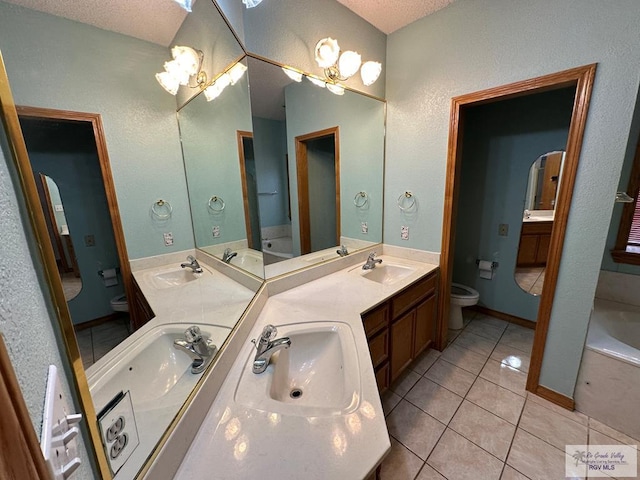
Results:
464 413
96 342
530 279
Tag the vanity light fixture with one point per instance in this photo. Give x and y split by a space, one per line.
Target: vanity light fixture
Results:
228 77
317 82
340 67
186 63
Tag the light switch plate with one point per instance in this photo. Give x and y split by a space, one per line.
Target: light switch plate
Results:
364 228
404 233
168 239
59 430
216 231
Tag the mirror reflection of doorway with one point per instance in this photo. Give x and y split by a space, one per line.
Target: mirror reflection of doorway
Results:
58 228
70 177
543 186
318 171
249 189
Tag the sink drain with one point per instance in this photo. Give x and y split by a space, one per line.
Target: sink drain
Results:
295 393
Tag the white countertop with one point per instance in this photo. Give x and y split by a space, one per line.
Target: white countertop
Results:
239 442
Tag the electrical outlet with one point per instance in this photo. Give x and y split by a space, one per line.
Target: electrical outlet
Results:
58 208
364 228
168 239
404 233
118 429
89 240
503 230
216 231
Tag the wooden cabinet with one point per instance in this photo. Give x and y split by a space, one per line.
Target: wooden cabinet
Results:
140 310
401 328
535 238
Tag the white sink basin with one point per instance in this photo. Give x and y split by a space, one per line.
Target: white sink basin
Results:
175 277
385 273
319 375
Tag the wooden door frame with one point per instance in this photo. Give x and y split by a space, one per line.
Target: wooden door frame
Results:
582 78
241 135
302 174
44 256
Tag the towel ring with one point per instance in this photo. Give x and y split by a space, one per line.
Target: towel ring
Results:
163 204
361 199
216 200
401 201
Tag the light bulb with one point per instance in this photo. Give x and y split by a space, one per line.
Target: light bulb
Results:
370 72
327 52
168 82
349 63
236 72
292 74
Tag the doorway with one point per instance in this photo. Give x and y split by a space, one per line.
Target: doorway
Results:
249 189
318 175
582 79
68 158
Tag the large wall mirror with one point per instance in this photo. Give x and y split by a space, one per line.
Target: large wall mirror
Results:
543 186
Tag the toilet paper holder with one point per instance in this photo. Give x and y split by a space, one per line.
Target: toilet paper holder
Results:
493 264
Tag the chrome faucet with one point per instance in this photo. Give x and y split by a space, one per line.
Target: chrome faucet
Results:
343 252
267 347
228 255
193 264
371 262
200 349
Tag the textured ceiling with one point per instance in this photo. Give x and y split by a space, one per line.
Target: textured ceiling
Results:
391 15
156 21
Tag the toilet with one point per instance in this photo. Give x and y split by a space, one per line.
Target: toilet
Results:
461 296
119 303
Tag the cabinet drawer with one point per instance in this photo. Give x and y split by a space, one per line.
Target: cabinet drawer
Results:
382 377
379 348
411 295
375 320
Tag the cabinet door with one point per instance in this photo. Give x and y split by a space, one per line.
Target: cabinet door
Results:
543 249
528 249
425 325
402 343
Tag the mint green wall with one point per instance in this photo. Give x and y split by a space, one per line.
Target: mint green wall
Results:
61 64
361 121
32 341
501 142
476 44
270 150
210 149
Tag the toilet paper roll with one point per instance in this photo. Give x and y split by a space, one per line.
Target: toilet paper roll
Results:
110 277
486 269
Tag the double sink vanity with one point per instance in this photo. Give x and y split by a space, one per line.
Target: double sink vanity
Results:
315 411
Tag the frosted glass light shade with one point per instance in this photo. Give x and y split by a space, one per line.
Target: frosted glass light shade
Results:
251 3
186 4
187 58
174 69
168 82
236 72
349 64
214 90
292 74
327 52
316 82
335 89
370 72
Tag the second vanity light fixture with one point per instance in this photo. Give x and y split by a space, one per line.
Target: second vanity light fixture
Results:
187 64
342 66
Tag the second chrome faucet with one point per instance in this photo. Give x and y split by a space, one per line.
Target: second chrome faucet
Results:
266 347
372 261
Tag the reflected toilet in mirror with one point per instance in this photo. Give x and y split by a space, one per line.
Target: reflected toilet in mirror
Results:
543 186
